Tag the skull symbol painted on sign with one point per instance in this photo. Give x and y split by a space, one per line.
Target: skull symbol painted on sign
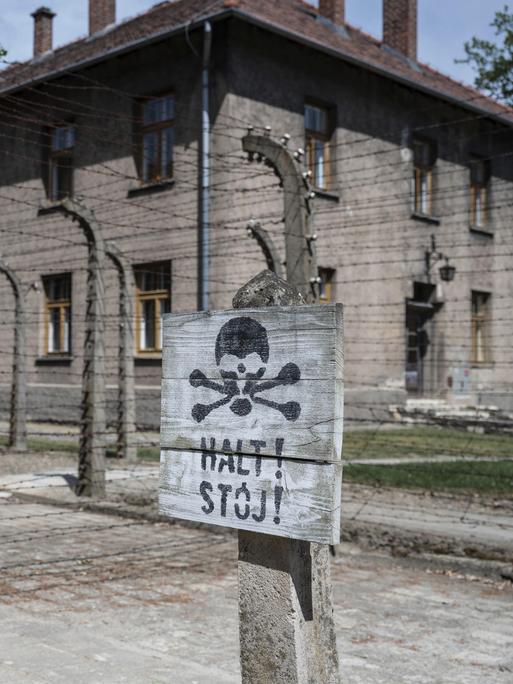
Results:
241 338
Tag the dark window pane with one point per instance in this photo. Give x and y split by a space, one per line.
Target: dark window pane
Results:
148 324
63 138
150 156
158 110
316 119
153 276
62 177
166 154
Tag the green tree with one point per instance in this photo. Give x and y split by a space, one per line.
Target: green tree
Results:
493 61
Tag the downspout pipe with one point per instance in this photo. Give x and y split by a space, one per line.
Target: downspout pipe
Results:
205 169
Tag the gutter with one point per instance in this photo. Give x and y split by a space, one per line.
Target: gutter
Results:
260 23
204 269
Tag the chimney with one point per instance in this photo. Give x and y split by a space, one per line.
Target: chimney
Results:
400 26
102 13
334 10
43 31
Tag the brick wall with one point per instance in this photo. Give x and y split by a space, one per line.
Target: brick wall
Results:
335 10
101 14
400 26
43 31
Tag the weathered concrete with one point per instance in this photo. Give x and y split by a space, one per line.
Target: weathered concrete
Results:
91 464
18 403
301 259
126 447
287 633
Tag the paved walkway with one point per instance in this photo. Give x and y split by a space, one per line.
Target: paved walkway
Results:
461 522
89 598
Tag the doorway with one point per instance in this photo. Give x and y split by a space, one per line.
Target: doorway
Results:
419 342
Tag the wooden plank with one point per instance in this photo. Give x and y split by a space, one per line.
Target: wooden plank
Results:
298 349
285 498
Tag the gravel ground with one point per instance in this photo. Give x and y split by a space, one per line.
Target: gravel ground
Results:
32 462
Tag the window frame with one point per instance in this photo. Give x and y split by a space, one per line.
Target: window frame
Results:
327 285
157 296
55 157
62 305
423 171
480 189
325 138
156 127
479 326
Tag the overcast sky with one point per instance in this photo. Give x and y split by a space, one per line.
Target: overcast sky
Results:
444 25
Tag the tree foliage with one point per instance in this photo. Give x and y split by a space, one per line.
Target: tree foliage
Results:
493 61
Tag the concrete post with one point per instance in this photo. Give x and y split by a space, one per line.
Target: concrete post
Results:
91 459
18 417
301 260
267 246
125 445
287 631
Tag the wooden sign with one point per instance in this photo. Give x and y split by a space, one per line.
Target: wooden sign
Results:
252 412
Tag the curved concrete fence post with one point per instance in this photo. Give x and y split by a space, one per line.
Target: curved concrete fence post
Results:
91 464
18 408
126 446
301 260
267 246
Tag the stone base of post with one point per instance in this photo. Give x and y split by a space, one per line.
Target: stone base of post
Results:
287 631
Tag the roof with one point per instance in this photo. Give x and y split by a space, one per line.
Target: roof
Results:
292 18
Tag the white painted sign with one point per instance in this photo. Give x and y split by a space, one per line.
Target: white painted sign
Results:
283 497
256 375
251 430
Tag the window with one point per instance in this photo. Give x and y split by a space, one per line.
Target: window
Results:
480 326
326 286
61 162
153 301
479 192
57 291
158 138
317 145
424 158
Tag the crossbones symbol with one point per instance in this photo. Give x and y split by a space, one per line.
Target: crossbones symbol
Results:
241 337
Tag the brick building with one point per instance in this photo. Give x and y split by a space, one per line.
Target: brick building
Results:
398 153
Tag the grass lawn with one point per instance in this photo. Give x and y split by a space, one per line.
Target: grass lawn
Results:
489 478
424 441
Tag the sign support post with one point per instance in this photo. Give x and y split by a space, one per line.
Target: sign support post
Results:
287 631
251 437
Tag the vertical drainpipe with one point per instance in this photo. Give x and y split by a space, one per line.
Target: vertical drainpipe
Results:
205 168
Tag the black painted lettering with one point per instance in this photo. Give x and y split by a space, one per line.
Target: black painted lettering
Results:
208 454
278 491
204 488
257 444
224 489
227 447
242 491
226 461
261 516
240 469
211 456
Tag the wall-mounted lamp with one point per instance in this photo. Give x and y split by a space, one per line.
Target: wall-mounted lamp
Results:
432 256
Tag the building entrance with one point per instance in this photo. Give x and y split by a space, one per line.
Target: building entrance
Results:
419 313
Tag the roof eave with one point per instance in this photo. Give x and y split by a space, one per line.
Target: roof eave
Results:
291 35
116 52
403 80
